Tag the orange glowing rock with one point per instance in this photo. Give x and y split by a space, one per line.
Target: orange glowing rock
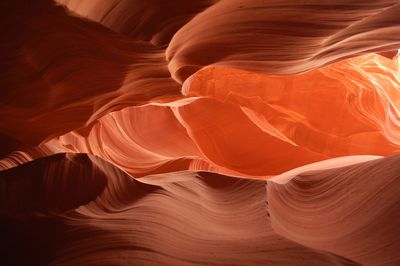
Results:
213 132
253 124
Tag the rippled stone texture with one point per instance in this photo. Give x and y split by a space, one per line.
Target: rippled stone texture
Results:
199 132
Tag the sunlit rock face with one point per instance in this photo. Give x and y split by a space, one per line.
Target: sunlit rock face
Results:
207 132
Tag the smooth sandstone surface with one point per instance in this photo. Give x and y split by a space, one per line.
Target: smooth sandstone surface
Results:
212 132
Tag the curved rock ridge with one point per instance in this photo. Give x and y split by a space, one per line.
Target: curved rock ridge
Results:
155 21
50 185
352 211
175 218
282 37
182 218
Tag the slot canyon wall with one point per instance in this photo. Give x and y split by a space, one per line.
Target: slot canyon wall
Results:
207 132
